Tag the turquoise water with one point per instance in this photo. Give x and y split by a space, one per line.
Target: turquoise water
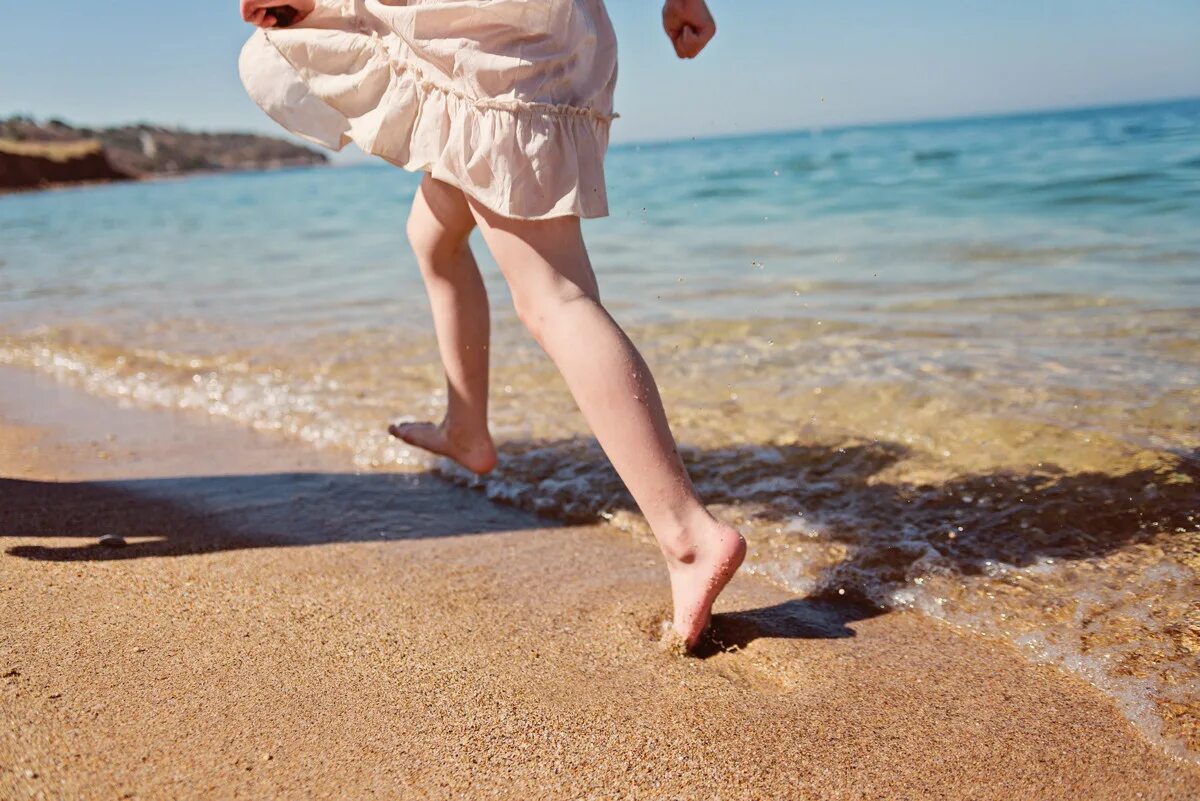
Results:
948 366
1079 202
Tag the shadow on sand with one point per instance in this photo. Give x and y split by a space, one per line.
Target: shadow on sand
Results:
885 528
180 516
820 617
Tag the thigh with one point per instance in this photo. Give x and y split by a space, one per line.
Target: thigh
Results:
538 256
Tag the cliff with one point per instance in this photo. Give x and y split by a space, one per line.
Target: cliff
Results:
34 154
26 165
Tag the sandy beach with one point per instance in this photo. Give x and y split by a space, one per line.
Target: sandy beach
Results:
280 627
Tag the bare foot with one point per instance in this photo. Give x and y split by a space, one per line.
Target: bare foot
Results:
699 573
476 453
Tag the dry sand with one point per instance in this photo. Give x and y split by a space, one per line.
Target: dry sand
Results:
280 627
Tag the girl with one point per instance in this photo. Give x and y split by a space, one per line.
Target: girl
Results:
505 105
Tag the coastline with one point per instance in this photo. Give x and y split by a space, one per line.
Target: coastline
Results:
153 178
37 154
279 626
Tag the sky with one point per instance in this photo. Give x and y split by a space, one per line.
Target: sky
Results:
775 64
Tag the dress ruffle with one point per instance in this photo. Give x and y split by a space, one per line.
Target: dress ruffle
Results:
336 79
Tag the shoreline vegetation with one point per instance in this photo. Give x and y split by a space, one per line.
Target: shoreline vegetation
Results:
42 155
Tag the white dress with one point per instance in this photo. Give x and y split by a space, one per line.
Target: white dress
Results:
509 100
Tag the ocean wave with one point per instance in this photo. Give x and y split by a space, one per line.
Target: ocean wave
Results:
935 155
709 192
1120 179
736 174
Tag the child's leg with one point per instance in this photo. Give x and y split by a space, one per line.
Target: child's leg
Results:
438 228
555 293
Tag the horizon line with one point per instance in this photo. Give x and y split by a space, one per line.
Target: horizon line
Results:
676 139
935 120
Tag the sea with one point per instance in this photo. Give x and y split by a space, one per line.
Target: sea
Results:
950 367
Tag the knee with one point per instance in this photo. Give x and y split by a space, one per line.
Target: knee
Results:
539 311
528 313
431 242
532 314
438 225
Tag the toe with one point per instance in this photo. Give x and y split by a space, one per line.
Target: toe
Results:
422 435
405 430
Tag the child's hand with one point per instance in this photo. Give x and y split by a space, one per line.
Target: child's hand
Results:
689 26
270 13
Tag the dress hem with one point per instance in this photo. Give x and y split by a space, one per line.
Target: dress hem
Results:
492 150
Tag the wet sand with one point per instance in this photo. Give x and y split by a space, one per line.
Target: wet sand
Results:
278 626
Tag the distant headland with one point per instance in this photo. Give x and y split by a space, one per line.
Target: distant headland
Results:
36 155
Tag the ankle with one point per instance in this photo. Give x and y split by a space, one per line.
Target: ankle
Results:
678 552
458 430
683 538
